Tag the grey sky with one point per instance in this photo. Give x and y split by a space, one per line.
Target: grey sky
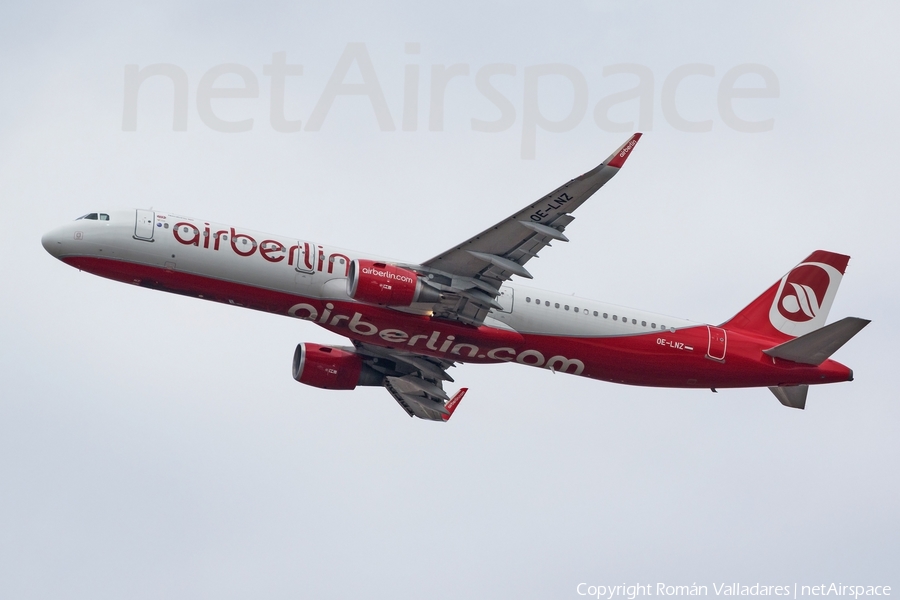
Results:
154 446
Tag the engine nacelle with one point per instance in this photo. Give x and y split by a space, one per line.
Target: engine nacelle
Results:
332 368
387 285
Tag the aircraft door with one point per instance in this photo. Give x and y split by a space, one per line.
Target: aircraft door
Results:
506 299
305 257
718 340
143 225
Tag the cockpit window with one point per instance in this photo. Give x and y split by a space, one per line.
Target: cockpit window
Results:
94 217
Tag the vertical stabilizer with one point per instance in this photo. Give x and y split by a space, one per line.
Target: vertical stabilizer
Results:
797 304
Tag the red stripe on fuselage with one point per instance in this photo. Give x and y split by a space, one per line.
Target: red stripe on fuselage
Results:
662 359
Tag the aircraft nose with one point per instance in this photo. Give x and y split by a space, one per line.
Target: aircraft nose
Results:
52 243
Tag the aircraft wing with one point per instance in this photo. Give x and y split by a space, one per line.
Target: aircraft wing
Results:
470 274
414 380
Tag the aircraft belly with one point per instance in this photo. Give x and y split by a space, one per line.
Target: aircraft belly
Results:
677 360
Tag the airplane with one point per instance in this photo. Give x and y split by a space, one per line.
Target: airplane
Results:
409 323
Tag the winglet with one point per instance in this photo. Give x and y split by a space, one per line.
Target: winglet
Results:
617 158
453 403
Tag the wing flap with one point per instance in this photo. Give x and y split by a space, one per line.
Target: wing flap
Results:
415 381
417 402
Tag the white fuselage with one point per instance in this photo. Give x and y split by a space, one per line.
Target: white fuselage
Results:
310 270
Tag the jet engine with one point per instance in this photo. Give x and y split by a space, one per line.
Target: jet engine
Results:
387 285
332 368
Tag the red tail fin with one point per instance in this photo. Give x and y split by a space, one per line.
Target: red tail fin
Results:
798 303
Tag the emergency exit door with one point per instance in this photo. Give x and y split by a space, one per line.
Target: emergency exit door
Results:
718 340
143 225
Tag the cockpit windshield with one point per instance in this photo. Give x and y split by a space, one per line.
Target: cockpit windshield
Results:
94 217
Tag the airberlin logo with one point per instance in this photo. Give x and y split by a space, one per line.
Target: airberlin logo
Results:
804 298
802 293
387 275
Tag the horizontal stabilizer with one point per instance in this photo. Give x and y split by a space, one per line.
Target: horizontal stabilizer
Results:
792 396
814 348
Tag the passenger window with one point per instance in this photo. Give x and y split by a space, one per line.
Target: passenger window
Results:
546 303
576 309
527 299
653 325
557 305
567 307
605 315
634 321
643 323
595 313
615 318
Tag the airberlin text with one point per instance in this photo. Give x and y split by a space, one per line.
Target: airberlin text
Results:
387 274
794 590
631 144
309 257
436 341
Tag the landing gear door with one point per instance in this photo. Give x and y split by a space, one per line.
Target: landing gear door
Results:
305 257
143 225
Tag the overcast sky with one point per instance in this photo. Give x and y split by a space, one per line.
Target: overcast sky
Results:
154 446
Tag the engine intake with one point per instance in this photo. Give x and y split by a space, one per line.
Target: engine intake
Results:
387 285
332 368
